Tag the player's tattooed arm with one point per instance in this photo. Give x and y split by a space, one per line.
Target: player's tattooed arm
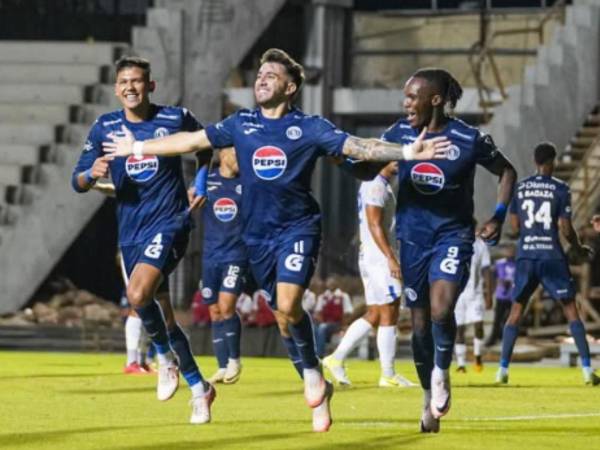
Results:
378 150
173 145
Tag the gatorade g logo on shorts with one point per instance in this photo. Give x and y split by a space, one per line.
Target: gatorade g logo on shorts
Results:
143 169
427 178
225 209
269 162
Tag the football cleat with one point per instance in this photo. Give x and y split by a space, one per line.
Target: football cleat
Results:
233 371
395 381
429 424
201 406
501 376
461 369
440 393
218 376
168 381
337 370
135 369
591 378
314 392
322 419
477 367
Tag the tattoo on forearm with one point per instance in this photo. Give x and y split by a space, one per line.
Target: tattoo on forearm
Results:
372 149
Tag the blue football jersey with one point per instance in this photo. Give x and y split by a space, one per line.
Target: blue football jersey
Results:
151 193
277 158
435 197
222 219
540 201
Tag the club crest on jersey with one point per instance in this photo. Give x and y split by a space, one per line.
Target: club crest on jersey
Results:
161 132
143 169
269 162
225 209
427 178
453 153
293 133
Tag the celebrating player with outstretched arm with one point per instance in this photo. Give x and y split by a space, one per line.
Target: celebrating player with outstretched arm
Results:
435 226
541 208
152 211
277 146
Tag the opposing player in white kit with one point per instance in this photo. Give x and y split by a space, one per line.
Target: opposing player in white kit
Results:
380 272
471 305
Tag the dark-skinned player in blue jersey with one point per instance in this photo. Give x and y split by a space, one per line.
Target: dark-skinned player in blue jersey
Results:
277 146
224 259
434 223
540 210
153 217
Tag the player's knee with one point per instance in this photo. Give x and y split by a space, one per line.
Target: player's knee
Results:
137 297
372 316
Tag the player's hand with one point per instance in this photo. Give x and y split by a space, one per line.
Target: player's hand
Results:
434 148
119 145
394 268
490 231
100 168
596 222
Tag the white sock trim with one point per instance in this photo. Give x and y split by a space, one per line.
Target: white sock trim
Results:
386 345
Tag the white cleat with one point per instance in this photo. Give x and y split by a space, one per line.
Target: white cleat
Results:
502 376
314 389
322 419
168 381
337 370
217 377
429 424
397 381
440 393
201 406
233 371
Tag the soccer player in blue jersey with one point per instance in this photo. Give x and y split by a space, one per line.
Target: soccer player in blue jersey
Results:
224 261
152 212
277 146
541 208
435 228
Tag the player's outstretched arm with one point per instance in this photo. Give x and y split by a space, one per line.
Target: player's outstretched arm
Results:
173 145
378 150
491 230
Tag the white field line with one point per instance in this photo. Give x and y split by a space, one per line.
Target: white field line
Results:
530 417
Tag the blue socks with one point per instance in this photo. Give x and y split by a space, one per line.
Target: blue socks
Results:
187 364
219 343
302 332
423 351
233 333
154 323
509 337
444 335
578 332
293 354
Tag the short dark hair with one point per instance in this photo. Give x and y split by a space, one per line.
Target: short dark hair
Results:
544 152
445 84
133 61
293 68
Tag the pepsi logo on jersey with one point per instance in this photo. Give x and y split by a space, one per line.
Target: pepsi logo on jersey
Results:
427 178
269 162
142 169
225 209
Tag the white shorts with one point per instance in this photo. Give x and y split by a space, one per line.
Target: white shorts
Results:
470 308
380 287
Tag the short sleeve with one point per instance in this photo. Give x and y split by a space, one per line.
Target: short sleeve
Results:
189 122
375 193
92 150
221 134
486 150
329 138
565 204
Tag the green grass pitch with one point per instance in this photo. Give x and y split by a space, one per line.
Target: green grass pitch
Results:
83 401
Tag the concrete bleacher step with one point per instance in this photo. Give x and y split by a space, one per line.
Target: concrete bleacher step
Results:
35 113
40 93
29 134
60 52
20 154
11 194
12 174
42 73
